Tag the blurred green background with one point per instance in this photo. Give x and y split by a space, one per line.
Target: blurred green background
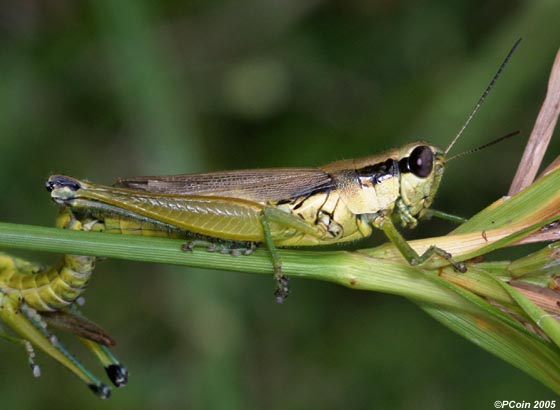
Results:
122 88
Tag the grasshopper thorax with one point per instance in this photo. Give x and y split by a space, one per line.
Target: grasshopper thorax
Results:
401 181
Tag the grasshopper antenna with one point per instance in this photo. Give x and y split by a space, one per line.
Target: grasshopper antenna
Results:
488 144
482 98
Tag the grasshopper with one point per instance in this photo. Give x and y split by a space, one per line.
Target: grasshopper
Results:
338 202
34 299
281 207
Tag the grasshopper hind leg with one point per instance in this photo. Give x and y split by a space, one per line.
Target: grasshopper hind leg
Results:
32 329
95 339
116 371
35 369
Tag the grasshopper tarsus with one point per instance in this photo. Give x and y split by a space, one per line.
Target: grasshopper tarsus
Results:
228 247
249 248
187 247
190 245
118 374
246 250
101 390
282 288
457 266
35 369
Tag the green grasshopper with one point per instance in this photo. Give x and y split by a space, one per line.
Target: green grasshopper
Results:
34 298
339 202
281 207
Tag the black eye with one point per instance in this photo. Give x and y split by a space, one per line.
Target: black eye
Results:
421 161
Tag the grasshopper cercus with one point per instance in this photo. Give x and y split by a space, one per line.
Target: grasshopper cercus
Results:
338 202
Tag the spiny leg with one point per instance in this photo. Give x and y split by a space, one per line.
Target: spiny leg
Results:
28 324
410 254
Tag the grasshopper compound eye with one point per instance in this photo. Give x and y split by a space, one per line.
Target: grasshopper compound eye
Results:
420 162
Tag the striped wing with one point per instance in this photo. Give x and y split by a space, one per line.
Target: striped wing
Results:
259 185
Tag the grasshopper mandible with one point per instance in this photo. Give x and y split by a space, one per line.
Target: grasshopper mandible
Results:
338 202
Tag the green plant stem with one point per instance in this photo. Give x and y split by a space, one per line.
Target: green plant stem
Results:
351 269
464 312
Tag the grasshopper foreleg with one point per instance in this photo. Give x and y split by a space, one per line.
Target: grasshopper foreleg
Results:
28 324
433 213
410 254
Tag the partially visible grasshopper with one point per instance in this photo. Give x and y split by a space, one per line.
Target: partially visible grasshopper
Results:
34 298
338 202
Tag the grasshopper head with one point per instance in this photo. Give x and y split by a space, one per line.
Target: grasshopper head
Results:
62 188
421 167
